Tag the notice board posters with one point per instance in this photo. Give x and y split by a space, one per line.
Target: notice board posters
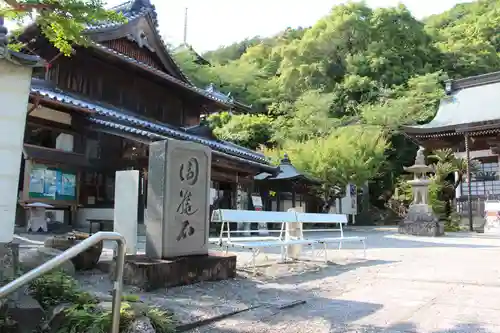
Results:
52 183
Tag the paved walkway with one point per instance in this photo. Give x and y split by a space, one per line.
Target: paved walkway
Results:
406 284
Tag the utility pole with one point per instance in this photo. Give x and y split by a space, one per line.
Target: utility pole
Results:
185 25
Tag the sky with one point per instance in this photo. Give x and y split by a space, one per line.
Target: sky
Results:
212 23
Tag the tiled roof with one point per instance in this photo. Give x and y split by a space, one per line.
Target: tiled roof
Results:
155 136
133 10
464 109
136 9
287 172
227 98
15 57
113 117
129 16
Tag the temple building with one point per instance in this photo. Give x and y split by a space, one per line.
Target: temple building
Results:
96 112
468 121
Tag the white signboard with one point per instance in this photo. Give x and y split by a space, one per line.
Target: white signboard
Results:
213 195
257 201
492 216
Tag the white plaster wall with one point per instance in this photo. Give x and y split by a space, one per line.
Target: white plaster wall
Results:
92 213
53 115
14 93
286 204
475 154
99 213
65 142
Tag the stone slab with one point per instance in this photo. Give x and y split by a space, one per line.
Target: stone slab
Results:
9 261
150 274
422 228
126 207
15 84
177 220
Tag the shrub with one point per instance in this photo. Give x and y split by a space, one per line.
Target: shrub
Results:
56 288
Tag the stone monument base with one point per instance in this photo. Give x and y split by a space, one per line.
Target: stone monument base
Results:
150 274
421 221
429 229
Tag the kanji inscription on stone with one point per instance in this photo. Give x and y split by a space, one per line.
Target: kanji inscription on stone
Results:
178 199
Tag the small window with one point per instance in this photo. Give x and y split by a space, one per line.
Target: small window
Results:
92 149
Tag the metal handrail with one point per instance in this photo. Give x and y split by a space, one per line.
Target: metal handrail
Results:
72 252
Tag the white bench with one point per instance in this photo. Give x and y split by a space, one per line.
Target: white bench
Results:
255 244
226 216
340 219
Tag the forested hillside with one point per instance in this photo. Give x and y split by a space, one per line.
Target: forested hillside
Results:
334 96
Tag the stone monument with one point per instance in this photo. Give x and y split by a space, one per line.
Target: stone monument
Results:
420 220
177 221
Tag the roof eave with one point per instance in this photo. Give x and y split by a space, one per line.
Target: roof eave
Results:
20 59
142 127
159 73
427 130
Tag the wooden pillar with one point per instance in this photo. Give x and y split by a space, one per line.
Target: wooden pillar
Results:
469 185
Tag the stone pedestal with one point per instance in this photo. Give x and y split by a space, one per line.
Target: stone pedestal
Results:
177 221
293 230
149 274
421 221
9 262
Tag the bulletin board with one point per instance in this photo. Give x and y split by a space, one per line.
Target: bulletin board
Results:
52 183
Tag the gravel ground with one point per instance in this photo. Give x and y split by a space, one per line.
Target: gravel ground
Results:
405 284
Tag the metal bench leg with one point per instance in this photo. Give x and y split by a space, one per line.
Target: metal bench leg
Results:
326 252
364 248
340 245
254 255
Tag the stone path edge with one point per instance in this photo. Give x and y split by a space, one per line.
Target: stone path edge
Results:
208 321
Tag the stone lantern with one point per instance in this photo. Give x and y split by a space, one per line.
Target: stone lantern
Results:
420 220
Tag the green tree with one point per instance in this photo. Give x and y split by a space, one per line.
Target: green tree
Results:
201 75
468 36
352 154
250 131
415 102
358 67
308 118
61 21
226 54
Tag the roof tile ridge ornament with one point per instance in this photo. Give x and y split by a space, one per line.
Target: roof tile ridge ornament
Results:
211 87
17 58
476 80
286 159
138 5
3 33
144 8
